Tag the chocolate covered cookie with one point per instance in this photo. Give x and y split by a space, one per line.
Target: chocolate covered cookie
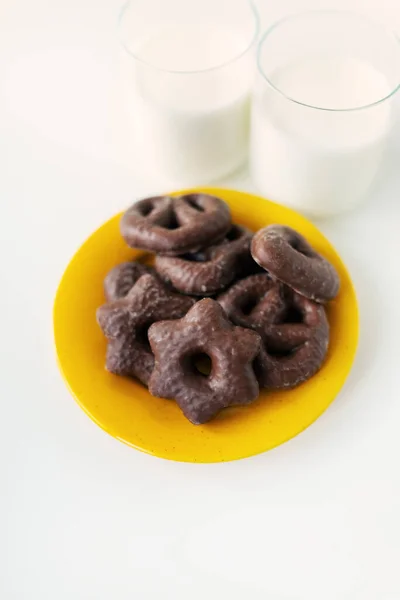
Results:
288 257
294 330
175 225
179 345
119 281
125 323
206 272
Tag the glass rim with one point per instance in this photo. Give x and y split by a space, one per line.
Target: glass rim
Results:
320 12
256 18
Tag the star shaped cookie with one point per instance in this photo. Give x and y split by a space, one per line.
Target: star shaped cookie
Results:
204 333
122 278
126 321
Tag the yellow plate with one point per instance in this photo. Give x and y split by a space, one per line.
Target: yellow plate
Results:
127 411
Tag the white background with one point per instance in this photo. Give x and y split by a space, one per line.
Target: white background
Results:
81 515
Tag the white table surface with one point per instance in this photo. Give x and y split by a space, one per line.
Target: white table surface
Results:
82 516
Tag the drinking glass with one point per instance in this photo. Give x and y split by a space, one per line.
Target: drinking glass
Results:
324 102
188 71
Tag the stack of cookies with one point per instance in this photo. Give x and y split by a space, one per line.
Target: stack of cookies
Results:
222 313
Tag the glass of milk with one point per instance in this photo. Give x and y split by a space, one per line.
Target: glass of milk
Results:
323 106
188 71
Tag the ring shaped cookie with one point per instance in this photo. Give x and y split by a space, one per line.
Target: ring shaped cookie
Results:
288 257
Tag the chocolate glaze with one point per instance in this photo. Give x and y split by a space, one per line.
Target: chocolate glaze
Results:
175 225
119 281
205 330
125 323
206 272
294 330
288 257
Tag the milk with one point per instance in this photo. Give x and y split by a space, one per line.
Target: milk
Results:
319 161
189 115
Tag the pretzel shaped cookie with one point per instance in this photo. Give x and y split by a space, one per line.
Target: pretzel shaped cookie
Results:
294 330
175 225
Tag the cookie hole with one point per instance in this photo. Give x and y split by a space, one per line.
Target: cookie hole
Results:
201 364
294 315
298 245
146 209
277 351
173 222
234 234
194 203
195 257
249 305
142 336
